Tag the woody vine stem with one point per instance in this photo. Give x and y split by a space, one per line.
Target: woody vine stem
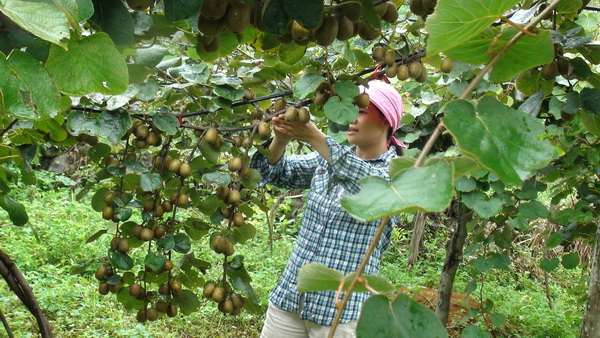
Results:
437 132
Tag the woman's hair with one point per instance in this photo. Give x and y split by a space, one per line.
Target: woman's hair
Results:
390 131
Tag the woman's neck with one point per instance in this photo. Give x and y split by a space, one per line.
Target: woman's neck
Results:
371 151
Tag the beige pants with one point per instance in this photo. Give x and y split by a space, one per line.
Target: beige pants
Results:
283 324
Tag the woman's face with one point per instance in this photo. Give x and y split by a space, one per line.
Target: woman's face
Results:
369 128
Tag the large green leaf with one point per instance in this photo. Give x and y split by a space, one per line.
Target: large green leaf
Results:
483 206
474 50
16 211
26 88
42 19
291 53
307 84
150 56
340 110
318 277
188 302
308 13
504 140
176 10
402 318
119 260
275 19
527 53
455 21
92 64
427 188
79 122
115 20
591 123
166 122
370 16
114 124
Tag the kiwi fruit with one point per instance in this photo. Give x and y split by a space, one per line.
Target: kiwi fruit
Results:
223 245
103 288
146 234
414 69
213 46
237 16
167 206
174 166
139 5
226 306
123 245
264 130
148 204
237 301
101 273
108 212
168 265
176 287
389 57
279 105
320 98
428 6
159 211
211 136
352 10
183 200
291 114
416 6
378 53
345 28
214 243
402 73
566 116
109 197
114 288
327 32
423 76
381 9
391 14
172 310
185 170
367 33
159 232
362 100
152 139
248 94
238 219
203 40
140 144
233 197
212 28
256 15
164 289
391 70
213 9
218 294
235 164
136 230
141 316
446 66
550 70
161 306
112 161
152 314
208 289
222 192
141 132
303 115
298 32
562 65
134 290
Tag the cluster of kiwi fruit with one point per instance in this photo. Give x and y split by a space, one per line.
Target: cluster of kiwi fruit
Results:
403 71
145 135
217 16
104 274
162 304
559 66
422 8
229 302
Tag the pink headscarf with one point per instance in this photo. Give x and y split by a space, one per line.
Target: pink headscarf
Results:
389 102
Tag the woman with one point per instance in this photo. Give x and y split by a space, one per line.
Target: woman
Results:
329 235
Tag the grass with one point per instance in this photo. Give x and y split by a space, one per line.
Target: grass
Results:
49 250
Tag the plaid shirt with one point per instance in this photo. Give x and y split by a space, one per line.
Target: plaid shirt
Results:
328 235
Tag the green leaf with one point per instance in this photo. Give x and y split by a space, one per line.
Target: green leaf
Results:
98 199
590 97
119 260
166 243
114 124
166 122
188 302
549 264
554 240
42 19
155 262
150 181
570 260
399 164
96 235
402 318
118 101
483 206
26 88
176 10
85 9
533 104
129 302
308 13
228 92
251 180
427 189
346 89
209 152
150 56
98 152
591 123
307 84
182 243
370 16
453 23
291 53
530 51
16 211
341 111
314 277
474 50
275 18
197 73
377 283
244 233
504 140
465 184
90 65
115 20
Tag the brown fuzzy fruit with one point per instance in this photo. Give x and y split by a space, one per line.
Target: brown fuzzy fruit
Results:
123 245
345 28
208 289
328 31
414 69
389 57
141 316
218 294
264 130
298 32
152 314
136 230
550 70
172 310
226 306
303 115
391 70
213 9
291 114
362 100
402 73
237 300
101 273
174 166
135 290
233 197
211 136
235 164
378 53
146 234
279 105
222 192
168 265
238 16
183 200
109 197
352 10
108 212
139 5
103 288
238 219
167 206
391 13
446 66
185 170
141 132
159 232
